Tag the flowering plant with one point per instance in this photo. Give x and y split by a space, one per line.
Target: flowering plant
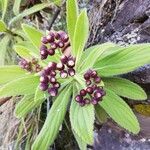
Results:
83 82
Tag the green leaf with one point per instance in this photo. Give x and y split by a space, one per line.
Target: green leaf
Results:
124 61
53 121
38 94
33 34
3 26
82 120
23 52
29 47
93 55
4 43
9 73
16 7
120 112
81 35
22 86
4 4
125 88
30 11
56 2
101 114
26 105
72 15
82 145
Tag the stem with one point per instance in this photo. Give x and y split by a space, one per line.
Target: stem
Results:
14 34
54 17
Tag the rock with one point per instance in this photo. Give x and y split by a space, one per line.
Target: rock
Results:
110 139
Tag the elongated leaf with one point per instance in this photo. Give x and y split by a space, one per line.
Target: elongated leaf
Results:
125 88
23 52
3 26
53 121
56 2
3 43
82 145
126 60
30 47
81 35
94 54
101 114
9 73
120 112
30 11
22 86
111 50
4 4
38 94
72 14
26 105
82 120
16 7
33 34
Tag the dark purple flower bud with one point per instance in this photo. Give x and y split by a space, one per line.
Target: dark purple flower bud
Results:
52 91
52 65
86 76
52 80
78 98
70 63
53 45
56 85
60 66
88 82
50 38
51 52
94 74
53 73
63 74
44 52
46 71
43 86
43 47
97 80
44 79
63 36
43 57
97 94
64 59
60 44
87 101
57 36
83 92
44 40
52 33
71 72
94 87
82 103
89 90
94 101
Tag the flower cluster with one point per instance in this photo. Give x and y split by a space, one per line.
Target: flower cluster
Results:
93 93
64 68
55 40
31 66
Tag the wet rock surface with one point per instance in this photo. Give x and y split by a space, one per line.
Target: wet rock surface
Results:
111 139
